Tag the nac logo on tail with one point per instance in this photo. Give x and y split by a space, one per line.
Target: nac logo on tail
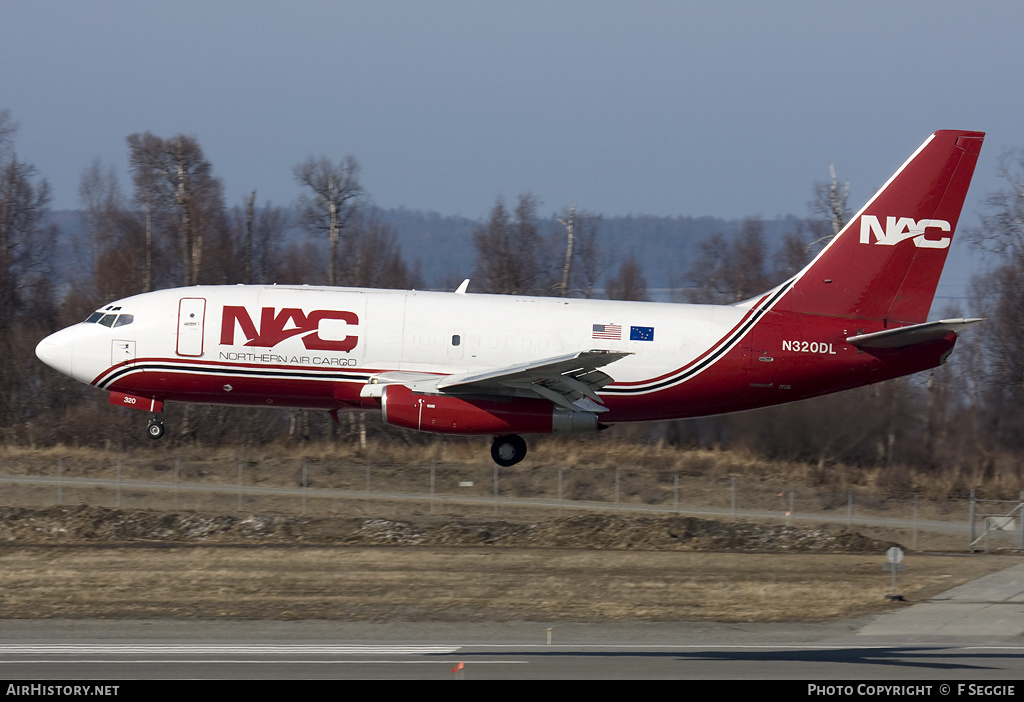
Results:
903 228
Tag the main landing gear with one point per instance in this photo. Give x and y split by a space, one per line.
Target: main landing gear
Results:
508 449
155 428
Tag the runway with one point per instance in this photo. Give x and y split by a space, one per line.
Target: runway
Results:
969 634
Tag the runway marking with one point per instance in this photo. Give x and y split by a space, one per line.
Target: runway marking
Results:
214 649
190 661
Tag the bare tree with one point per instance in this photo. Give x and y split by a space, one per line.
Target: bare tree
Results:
748 276
570 241
116 238
261 230
375 255
828 204
27 301
510 251
7 129
100 195
998 294
1002 224
175 183
585 262
143 150
592 259
250 219
793 254
335 196
629 282
25 242
494 252
729 271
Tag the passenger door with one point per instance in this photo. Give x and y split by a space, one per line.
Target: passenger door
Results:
191 315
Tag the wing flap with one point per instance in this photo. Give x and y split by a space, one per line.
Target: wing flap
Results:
570 381
574 366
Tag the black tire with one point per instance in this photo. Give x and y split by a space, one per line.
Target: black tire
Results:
155 429
507 450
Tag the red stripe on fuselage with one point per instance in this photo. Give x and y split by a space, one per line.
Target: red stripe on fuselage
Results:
210 387
715 347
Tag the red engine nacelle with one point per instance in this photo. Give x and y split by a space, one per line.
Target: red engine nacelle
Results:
447 414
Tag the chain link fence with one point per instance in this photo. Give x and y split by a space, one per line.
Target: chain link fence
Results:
365 487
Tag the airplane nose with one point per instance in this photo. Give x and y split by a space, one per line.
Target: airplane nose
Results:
56 352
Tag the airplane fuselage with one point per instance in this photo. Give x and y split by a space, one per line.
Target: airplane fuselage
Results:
317 347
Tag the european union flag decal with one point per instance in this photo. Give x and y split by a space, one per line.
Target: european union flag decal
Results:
641 333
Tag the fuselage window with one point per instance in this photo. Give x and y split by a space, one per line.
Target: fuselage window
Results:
456 339
124 319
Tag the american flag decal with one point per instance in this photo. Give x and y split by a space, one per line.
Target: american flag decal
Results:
607 331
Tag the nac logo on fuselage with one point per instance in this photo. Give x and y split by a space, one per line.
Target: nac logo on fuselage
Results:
903 228
289 322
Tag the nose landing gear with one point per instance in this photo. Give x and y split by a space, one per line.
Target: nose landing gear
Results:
155 428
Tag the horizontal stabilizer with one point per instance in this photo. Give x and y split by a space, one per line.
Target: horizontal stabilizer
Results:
910 336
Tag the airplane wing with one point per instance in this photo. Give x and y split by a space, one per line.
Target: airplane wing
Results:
570 381
909 336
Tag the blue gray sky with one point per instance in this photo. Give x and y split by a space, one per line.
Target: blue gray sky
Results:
727 109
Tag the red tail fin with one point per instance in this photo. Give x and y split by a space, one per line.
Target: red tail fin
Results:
886 262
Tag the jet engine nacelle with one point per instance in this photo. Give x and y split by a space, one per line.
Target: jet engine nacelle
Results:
448 414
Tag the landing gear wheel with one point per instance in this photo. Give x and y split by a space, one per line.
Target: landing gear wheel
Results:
155 428
508 449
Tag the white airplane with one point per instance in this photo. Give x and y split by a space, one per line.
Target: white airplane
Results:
505 365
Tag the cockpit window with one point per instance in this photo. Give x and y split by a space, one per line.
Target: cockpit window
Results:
110 318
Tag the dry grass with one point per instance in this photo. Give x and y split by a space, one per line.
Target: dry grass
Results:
458 584
999 475
588 459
